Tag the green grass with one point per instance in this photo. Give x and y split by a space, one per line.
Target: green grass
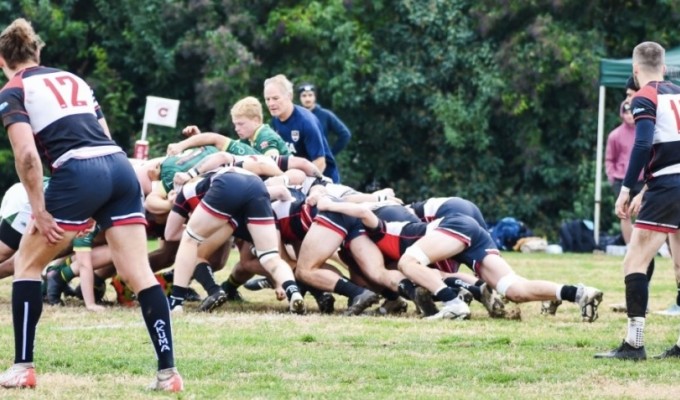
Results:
257 350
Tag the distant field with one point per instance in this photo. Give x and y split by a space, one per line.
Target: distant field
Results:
256 350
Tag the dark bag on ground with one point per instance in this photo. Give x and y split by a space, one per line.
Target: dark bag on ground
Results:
507 232
577 236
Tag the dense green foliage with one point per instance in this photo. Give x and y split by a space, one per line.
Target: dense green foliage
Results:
494 101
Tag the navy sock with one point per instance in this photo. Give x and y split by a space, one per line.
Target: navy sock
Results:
457 283
290 287
204 276
347 288
179 293
637 294
407 289
389 295
650 270
156 315
27 306
568 293
445 294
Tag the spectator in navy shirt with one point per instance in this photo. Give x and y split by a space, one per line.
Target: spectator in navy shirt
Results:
329 121
298 127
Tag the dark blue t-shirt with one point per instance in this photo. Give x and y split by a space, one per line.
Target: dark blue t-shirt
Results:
302 133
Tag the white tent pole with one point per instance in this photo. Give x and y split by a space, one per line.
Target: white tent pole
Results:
598 166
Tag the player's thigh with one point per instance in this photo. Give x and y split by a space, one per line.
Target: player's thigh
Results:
34 253
439 245
318 246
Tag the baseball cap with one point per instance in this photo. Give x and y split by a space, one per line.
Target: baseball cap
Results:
304 87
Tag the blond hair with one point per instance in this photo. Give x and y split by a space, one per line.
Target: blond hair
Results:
19 43
650 56
283 83
248 107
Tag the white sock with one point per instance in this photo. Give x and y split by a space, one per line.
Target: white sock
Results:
636 332
558 292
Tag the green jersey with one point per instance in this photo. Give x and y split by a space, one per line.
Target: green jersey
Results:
238 148
183 162
266 141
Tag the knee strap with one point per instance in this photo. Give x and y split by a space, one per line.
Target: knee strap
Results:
418 253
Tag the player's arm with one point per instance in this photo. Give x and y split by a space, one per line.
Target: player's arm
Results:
105 127
158 201
357 210
306 166
314 144
30 171
204 139
610 154
209 163
261 167
341 130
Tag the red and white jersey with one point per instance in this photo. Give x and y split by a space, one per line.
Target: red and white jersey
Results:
62 112
660 102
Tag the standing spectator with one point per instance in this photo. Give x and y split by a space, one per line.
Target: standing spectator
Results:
298 127
619 146
57 110
329 121
656 151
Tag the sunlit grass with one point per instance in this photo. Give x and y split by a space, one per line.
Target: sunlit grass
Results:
257 350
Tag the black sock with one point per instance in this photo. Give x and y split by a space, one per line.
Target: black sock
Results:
290 287
204 276
407 289
677 299
650 270
230 285
347 288
156 315
99 281
178 295
479 282
389 294
568 293
457 283
26 309
445 294
637 294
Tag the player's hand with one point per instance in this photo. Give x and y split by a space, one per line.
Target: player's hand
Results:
180 179
634 207
171 196
280 293
174 149
44 223
95 307
621 207
191 130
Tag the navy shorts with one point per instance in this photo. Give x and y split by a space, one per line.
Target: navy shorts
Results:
346 226
477 239
104 188
234 196
660 210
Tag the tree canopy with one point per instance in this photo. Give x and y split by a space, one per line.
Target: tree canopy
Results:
493 101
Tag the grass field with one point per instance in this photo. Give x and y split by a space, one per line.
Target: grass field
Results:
256 350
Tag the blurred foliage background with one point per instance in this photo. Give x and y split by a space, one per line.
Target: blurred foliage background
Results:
491 100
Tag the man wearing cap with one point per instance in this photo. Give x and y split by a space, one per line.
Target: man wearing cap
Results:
329 121
298 127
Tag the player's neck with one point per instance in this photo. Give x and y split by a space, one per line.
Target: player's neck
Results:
286 114
644 79
10 72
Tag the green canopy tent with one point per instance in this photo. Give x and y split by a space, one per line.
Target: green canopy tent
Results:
614 74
